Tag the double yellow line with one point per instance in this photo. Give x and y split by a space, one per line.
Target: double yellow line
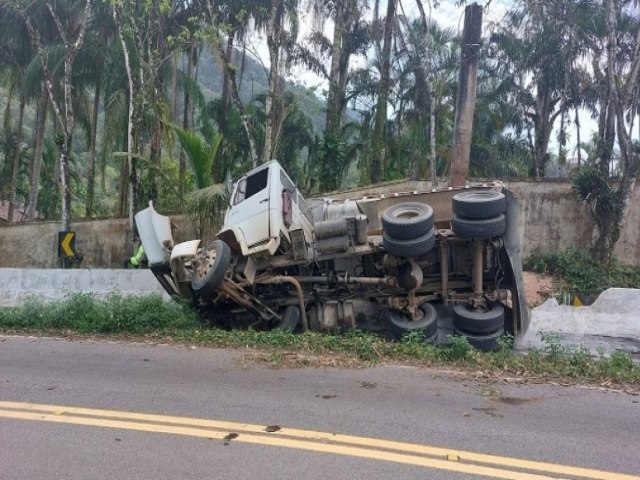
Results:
321 442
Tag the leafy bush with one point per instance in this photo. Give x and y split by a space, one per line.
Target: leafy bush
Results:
459 348
580 271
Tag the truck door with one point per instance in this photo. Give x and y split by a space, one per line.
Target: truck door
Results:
250 207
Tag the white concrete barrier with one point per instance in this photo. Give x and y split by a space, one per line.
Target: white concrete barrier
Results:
17 284
611 323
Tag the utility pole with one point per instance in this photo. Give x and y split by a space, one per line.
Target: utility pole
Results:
466 102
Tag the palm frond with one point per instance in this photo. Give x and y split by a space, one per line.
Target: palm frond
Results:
200 155
205 208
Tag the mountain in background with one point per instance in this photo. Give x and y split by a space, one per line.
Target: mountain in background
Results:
252 81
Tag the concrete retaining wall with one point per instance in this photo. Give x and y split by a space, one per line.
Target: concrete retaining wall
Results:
17 284
550 216
102 243
551 219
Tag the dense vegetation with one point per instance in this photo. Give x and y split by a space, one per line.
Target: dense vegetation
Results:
578 272
110 103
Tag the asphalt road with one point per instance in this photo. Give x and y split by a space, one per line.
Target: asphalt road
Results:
99 410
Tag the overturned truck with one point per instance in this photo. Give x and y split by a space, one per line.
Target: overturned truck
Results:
392 263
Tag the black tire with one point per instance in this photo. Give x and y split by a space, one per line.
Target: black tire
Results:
409 248
484 343
290 319
408 220
486 228
399 324
472 321
479 204
211 268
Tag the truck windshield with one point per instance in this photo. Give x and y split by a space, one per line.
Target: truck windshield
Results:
248 187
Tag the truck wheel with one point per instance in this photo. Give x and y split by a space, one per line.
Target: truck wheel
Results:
485 228
484 343
400 324
407 220
290 319
479 204
473 321
409 248
210 268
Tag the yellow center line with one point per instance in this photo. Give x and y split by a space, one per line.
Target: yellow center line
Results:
323 442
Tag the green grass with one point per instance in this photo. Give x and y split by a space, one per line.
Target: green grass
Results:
85 313
149 317
579 272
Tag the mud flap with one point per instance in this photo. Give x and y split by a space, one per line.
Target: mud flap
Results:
162 273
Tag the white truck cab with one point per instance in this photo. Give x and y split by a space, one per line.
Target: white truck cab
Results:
265 207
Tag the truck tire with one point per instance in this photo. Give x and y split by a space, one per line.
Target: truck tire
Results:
485 228
399 324
290 319
484 343
408 220
211 268
479 204
472 321
409 248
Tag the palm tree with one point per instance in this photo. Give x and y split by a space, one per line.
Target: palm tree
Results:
91 60
72 39
351 36
376 168
539 52
15 55
616 67
426 86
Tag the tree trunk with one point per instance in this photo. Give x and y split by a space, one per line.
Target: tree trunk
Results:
174 87
225 80
376 168
332 121
155 154
131 116
235 98
432 140
542 135
608 235
63 155
578 142
466 101
274 32
123 192
91 177
16 157
182 165
425 66
38 145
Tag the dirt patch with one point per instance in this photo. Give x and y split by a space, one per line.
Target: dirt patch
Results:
537 288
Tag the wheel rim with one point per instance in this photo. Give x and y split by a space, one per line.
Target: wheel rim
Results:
407 213
204 266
